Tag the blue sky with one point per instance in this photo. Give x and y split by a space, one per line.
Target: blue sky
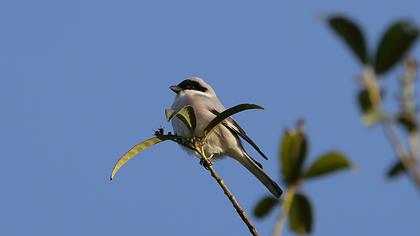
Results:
83 81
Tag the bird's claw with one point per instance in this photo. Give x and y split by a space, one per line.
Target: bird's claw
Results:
204 164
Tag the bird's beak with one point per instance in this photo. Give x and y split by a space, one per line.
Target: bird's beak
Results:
175 88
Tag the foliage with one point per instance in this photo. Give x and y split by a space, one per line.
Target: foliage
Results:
296 204
391 49
301 214
265 205
185 114
394 44
352 35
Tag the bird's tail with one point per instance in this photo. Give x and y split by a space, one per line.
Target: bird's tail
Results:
256 170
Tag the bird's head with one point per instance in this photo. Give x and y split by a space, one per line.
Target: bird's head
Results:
193 85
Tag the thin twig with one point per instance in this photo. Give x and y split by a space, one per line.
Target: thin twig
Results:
402 154
414 144
228 193
370 81
281 219
196 144
408 94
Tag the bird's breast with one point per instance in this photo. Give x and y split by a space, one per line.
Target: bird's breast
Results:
202 114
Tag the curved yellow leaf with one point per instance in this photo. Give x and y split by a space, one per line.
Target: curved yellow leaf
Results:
169 114
133 152
185 114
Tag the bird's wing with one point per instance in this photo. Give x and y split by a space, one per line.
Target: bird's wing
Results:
234 127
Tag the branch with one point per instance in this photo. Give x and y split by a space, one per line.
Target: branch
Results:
407 157
281 219
228 193
400 151
196 144
187 116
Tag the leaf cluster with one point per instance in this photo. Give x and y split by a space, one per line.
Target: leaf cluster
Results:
391 49
293 155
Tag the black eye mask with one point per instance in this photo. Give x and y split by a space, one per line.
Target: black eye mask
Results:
191 85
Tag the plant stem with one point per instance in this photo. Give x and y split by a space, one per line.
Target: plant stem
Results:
227 192
409 105
400 151
281 219
407 157
415 145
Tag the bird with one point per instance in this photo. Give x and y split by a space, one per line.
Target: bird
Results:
225 140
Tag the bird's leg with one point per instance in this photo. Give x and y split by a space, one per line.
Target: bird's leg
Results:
206 164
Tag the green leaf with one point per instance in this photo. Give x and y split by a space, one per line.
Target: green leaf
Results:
352 35
408 121
395 43
227 113
396 170
300 215
375 116
292 155
169 113
371 115
264 206
185 114
134 151
364 101
327 164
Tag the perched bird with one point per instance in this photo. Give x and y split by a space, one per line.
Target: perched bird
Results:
225 139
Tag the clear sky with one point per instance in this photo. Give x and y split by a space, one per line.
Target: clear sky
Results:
83 81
